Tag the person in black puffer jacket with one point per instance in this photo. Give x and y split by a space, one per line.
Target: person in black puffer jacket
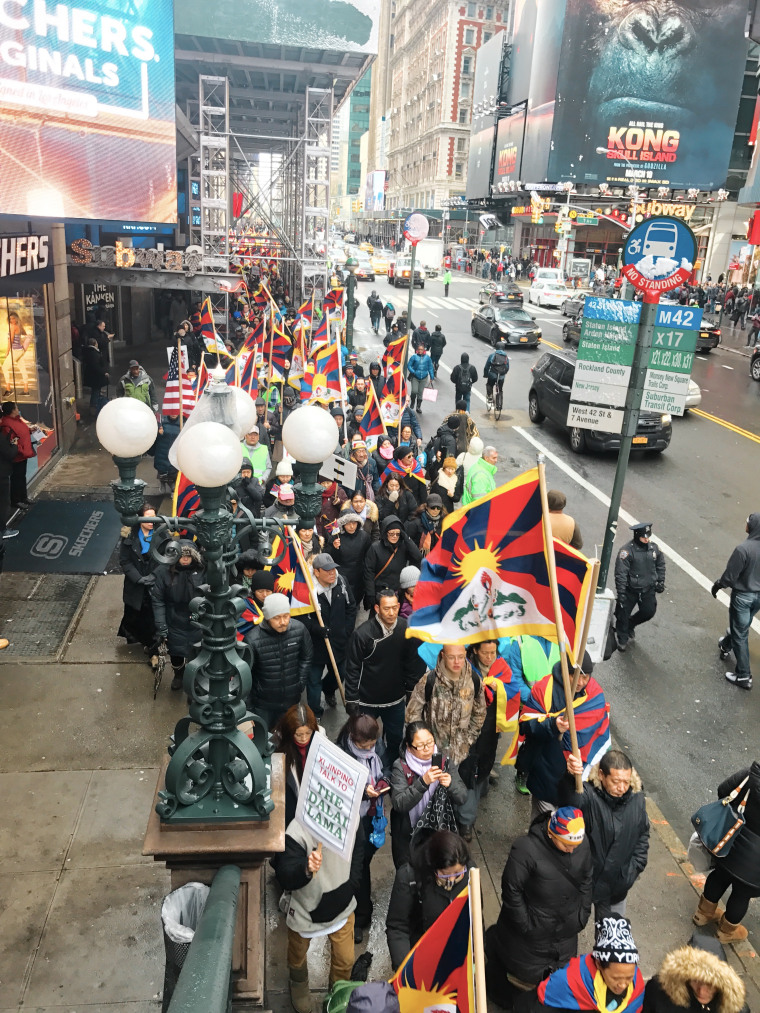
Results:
420 894
138 566
175 587
387 558
394 500
349 549
282 654
740 869
546 902
617 826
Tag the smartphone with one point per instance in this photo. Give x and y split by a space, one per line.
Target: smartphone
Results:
383 790
437 760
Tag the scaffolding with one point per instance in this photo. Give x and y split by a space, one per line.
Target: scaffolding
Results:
315 229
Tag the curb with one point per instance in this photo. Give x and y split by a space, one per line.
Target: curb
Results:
744 950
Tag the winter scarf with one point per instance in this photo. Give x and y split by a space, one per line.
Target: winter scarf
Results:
419 767
371 761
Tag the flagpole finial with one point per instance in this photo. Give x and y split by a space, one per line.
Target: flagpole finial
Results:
540 459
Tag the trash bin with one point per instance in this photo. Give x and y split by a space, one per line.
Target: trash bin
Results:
180 914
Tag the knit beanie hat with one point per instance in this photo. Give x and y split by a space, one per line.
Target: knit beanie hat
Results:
262 580
613 942
453 423
408 577
283 468
568 825
449 462
275 605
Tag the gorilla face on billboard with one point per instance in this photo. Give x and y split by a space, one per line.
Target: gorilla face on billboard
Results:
654 82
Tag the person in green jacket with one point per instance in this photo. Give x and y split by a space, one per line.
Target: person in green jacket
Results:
137 384
446 281
257 454
481 478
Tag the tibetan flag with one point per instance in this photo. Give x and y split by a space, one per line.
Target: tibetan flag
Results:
397 468
186 500
211 339
307 383
394 397
291 578
297 361
247 378
580 986
504 693
306 310
488 576
371 423
326 385
253 342
393 356
438 973
277 352
251 616
333 301
321 335
592 719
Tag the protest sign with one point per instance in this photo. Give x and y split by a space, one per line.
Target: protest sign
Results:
332 788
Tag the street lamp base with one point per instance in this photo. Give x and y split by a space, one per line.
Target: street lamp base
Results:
223 810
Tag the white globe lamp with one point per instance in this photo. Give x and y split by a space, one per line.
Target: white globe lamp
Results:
310 434
210 455
126 427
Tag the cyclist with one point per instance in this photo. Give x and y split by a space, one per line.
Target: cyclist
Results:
496 368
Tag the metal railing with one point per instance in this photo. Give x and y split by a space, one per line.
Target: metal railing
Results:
204 982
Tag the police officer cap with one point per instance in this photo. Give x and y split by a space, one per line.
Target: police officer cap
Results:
644 528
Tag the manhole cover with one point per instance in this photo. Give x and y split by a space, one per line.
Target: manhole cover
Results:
37 611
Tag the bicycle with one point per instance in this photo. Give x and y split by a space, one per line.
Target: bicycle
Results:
495 401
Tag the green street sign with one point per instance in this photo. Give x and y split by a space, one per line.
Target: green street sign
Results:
674 359
669 337
607 341
586 220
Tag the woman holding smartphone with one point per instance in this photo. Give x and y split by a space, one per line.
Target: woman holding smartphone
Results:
414 778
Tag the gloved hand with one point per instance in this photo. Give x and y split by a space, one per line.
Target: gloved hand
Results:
352 708
148 580
162 635
659 587
715 588
324 631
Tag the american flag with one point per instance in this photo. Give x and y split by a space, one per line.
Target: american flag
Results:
171 394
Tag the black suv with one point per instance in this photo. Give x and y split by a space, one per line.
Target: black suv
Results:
549 398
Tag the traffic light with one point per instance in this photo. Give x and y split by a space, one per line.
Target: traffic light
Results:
357 205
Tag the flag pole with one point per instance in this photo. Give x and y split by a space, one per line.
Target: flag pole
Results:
478 950
179 369
315 602
595 567
561 640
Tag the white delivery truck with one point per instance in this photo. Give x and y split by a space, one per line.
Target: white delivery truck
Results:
429 255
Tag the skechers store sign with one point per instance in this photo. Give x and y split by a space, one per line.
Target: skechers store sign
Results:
24 261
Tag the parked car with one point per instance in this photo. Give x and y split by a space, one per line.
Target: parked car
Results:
399 271
694 397
379 263
365 271
495 293
572 307
548 293
754 363
708 336
549 398
505 323
571 329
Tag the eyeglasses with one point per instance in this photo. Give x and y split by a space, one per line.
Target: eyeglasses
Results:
434 510
421 746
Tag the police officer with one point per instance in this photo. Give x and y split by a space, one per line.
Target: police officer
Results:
639 576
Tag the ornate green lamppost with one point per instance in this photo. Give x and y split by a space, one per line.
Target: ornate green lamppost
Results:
216 773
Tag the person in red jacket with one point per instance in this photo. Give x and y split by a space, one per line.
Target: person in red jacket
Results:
12 424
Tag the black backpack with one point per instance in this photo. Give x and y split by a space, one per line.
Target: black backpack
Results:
465 378
499 363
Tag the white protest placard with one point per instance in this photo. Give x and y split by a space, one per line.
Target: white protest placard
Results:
339 470
332 788
183 353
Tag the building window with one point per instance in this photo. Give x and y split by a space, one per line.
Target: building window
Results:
461 143
489 13
463 116
467 65
469 36
465 93
458 170
487 37
470 10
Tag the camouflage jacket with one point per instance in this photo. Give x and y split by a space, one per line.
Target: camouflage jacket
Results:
456 711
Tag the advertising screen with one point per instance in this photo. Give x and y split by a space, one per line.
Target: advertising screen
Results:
485 95
509 142
339 25
374 191
659 94
87 109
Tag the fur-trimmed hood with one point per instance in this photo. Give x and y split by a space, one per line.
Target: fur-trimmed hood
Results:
372 511
694 963
636 784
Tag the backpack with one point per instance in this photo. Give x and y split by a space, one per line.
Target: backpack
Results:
465 378
499 363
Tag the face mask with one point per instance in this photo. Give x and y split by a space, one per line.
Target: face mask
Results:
386 452
393 496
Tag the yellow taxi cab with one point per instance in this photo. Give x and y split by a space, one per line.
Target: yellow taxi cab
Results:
367 247
379 264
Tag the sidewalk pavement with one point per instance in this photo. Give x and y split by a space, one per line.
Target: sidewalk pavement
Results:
82 740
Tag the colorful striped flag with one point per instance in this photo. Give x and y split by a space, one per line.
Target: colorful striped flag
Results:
321 335
579 986
211 339
186 499
176 383
393 356
504 693
326 384
438 973
488 576
394 397
397 468
291 577
371 423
